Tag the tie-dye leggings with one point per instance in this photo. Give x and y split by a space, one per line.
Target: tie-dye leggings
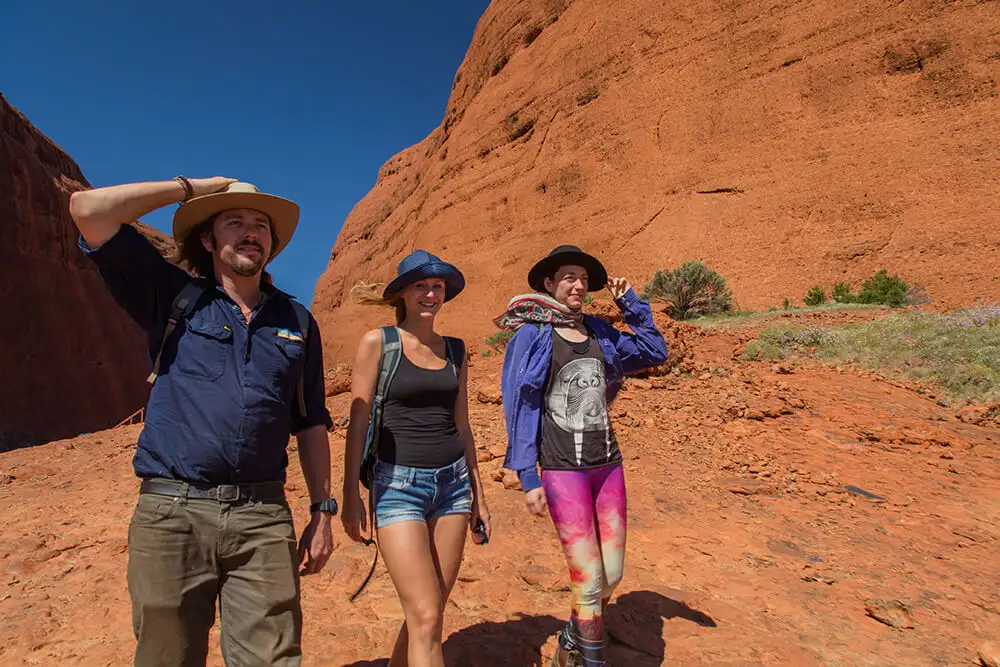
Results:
588 510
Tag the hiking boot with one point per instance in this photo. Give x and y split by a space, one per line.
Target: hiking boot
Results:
565 657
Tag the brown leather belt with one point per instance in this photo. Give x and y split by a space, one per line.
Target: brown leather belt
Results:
224 493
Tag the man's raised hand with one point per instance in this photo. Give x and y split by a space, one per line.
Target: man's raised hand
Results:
206 186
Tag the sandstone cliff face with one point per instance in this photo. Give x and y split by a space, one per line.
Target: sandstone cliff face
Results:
784 144
72 361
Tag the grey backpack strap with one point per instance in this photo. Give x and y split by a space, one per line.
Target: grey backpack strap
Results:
455 351
303 317
392 352
183 305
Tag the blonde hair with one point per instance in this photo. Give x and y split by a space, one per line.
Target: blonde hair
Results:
370 294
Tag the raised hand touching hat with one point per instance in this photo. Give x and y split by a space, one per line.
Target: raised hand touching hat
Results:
618 287
206 186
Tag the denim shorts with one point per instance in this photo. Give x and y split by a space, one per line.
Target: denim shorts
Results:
403 493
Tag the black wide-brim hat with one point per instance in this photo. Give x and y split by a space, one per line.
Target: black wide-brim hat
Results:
421 264
597 275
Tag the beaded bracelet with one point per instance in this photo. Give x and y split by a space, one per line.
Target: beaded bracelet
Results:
188 189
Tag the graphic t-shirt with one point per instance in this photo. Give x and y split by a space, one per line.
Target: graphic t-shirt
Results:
577 430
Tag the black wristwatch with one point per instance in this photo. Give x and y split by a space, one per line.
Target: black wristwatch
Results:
329 506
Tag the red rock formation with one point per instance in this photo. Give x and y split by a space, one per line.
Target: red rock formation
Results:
71 360
785 145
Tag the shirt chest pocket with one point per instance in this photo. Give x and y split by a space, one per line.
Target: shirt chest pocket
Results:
203 349
283 358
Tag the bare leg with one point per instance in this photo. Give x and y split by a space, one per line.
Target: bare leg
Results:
408 555
447 542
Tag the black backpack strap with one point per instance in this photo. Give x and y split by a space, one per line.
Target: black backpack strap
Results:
302 314
369 541
183 305
454 349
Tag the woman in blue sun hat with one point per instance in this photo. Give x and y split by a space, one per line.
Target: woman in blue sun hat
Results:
425 486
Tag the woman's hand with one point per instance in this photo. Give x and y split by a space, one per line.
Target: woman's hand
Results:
535 500
352 515
480 512
618 287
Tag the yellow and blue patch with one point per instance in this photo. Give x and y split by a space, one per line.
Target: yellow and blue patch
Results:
287 334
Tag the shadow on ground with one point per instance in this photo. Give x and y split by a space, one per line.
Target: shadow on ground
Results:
634 623
9 441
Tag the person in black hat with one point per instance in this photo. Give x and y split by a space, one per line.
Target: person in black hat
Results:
562 369
426 490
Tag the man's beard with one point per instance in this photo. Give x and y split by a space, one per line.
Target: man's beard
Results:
243 265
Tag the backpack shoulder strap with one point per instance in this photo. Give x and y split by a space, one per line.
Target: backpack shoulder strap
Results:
392 351
302 315
182 307
455 351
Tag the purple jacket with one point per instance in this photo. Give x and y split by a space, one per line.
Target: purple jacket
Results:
526 369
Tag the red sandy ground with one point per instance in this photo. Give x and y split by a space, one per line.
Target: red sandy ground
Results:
737 481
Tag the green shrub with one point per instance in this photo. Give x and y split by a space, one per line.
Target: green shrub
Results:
958 352
787 304
690 290
815 296
842 293
759 350
883 288
499 340
788 336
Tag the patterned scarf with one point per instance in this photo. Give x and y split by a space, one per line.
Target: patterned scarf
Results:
536 308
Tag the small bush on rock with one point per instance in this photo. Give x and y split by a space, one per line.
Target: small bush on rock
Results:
815 296
842 293
690 290
883 288
499 340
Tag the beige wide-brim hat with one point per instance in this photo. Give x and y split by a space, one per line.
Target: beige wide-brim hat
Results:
284 213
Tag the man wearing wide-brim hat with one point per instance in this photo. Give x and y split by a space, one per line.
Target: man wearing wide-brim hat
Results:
237 368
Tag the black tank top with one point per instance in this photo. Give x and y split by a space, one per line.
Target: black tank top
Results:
418 420
577 430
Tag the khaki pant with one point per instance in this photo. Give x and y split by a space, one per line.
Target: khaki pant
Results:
185 554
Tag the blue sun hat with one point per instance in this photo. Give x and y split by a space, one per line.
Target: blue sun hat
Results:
421 264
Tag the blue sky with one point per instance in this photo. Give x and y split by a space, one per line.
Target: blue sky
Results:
303 99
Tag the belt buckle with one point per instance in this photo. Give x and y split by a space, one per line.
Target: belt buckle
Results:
227 493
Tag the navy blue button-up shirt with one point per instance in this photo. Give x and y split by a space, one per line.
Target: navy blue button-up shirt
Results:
224 404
